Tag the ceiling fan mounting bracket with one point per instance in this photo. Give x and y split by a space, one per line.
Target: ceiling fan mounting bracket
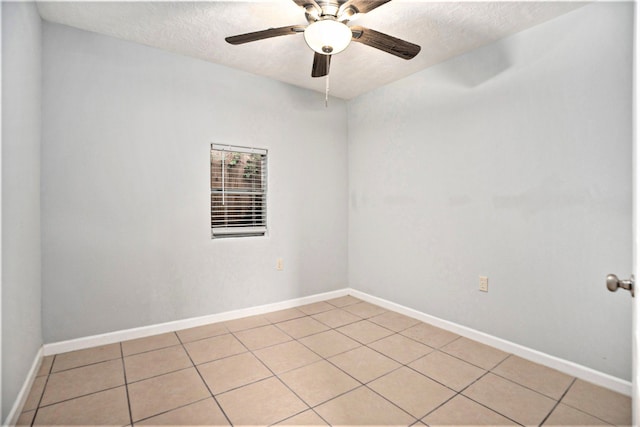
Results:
310 5
346 14
312 13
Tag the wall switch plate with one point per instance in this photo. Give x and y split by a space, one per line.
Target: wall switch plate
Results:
279 264
484 284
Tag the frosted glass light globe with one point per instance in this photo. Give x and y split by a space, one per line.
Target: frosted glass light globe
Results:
327 37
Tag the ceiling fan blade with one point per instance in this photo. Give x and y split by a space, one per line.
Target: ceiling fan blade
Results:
385 42
265 34
321 64
362 6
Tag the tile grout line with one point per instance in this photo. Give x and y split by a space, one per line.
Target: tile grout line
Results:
286 318
329 328
438 407
457 393
252 382
149 351
578 409
160 375
85 365
558 401
204 382
406 365
586 413
247 350
51 367
491 371
482 404
278 377
126 385
309 407
82 395
435 380
362 384
393 403
531 389
445 385
299 413
322 358
373 391
172 409
270 323
205 338
35 414
441 350
272 345
328 361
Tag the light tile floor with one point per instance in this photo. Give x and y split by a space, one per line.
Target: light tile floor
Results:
338 362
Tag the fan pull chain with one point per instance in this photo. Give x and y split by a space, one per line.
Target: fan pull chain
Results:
326 93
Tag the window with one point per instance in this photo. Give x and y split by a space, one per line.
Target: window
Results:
238 191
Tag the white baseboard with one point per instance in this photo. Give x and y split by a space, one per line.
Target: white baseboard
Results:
569 368
145 331
16 409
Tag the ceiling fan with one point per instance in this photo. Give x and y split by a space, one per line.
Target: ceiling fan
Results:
328 33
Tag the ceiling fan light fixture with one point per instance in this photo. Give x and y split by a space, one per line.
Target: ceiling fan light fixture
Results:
327 36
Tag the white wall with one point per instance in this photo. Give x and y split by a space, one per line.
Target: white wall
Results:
514 162
21 100
125 193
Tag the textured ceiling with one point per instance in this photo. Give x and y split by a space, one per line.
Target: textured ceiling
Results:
198 29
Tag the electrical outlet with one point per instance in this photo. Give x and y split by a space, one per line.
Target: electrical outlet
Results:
279 264
484 284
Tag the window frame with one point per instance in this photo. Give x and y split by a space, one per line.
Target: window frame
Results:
241 231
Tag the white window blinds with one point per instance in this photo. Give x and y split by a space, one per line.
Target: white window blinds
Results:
238 191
